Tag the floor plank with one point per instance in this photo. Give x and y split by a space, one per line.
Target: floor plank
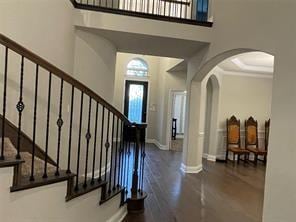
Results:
220 193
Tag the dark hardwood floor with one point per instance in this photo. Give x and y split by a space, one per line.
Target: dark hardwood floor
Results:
221 193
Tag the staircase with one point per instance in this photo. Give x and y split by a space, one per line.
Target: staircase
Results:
54 129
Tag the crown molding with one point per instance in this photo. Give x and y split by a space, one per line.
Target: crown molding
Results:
244 74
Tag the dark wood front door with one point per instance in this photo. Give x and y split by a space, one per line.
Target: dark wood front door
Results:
135 106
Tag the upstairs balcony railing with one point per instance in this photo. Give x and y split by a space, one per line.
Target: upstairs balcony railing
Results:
194 12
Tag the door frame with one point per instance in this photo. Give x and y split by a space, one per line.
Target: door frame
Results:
124 95
170 115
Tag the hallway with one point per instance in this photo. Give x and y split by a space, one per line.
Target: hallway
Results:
220 193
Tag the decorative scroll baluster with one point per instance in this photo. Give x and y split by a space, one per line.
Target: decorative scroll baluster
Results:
60 123
102 141
20 107
34 124
47 126
115 154
70 131
107 145
4 103
112 150
79 142
95 146
88 137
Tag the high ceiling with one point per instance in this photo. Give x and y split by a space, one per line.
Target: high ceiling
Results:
252 62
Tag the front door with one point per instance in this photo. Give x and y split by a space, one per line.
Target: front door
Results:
135 105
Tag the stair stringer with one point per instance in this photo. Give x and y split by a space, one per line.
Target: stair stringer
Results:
47 203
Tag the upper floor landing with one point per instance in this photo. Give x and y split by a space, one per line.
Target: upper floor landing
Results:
152 27
194 12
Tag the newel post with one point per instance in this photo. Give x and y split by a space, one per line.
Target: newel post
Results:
135 203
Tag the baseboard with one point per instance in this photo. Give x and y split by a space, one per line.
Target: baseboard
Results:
158 144
205 156
119 216
191 169
211 158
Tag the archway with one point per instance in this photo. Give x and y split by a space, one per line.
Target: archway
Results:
193 142
211 117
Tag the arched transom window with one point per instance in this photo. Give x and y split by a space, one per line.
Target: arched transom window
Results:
137 67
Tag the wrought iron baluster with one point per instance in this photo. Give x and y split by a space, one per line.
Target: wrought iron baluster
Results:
181 9
128 163
143 164
186 6
88 137
79 142
70 131
123 180
102 141
60 123
95 145
47 126
120 156
115 155
20 106
140 165
107 145
34 124
4 102
192 9
112 150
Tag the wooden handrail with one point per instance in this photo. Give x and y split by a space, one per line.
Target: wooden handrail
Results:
14 46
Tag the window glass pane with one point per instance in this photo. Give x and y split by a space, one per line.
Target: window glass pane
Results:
135 106
137 67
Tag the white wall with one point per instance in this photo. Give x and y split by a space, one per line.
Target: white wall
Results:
94 65
240 95
167 83
40 24
243 97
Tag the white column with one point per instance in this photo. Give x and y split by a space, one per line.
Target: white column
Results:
192 147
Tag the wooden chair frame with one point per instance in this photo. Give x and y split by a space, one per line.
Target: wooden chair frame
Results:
237 150
255 149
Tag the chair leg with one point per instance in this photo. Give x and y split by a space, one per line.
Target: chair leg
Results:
245 158
226 156
238 158
233 158
255 159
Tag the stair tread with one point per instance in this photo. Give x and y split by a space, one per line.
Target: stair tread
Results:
8 162
25 182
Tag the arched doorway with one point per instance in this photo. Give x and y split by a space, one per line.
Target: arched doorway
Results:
195 121
211 117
